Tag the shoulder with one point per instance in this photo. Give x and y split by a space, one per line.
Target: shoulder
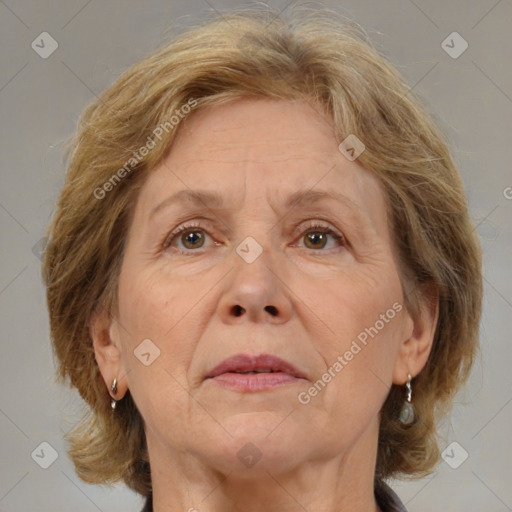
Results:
387 499
148 506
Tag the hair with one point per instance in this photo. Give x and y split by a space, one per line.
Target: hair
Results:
312 56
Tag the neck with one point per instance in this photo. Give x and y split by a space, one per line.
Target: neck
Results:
188 481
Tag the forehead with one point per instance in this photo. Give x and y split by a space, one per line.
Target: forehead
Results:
267 130
254 150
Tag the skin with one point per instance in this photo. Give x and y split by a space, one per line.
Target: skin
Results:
317 456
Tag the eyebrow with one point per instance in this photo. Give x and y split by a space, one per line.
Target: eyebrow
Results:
204 198
207 199
306 197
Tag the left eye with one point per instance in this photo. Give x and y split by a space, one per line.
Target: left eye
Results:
316 237
190 236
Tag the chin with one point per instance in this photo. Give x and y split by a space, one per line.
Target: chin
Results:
257 440
265 426
247 458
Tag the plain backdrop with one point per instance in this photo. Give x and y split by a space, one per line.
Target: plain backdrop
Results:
470 96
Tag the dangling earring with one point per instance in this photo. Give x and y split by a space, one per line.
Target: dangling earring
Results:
113 389
407 411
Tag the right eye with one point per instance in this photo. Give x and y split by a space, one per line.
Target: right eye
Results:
191 236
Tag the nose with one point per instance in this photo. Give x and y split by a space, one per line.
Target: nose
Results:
256 292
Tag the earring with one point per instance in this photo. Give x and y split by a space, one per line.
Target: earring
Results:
407 411
113 389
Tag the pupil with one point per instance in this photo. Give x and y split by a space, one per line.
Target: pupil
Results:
192 237
315 237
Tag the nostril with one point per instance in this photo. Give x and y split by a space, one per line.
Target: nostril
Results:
272 310
238 310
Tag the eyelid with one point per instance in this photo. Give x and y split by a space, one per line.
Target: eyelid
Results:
317 224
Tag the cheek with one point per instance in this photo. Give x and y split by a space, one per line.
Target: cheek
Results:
152 308
351 304
151 303
167 310
362 321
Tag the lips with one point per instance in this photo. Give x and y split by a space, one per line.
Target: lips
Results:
264 363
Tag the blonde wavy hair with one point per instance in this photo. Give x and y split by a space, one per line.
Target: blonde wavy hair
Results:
313 56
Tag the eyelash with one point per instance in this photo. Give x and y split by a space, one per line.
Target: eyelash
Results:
311 226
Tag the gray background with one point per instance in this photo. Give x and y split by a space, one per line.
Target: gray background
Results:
40 99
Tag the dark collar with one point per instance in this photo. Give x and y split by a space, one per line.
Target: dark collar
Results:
386 498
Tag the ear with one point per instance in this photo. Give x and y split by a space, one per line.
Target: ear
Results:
417 343
104 331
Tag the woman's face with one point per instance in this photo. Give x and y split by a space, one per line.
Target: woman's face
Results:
292 259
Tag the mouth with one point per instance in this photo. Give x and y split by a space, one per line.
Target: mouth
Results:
254 373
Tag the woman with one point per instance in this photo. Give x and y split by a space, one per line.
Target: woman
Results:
261 273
